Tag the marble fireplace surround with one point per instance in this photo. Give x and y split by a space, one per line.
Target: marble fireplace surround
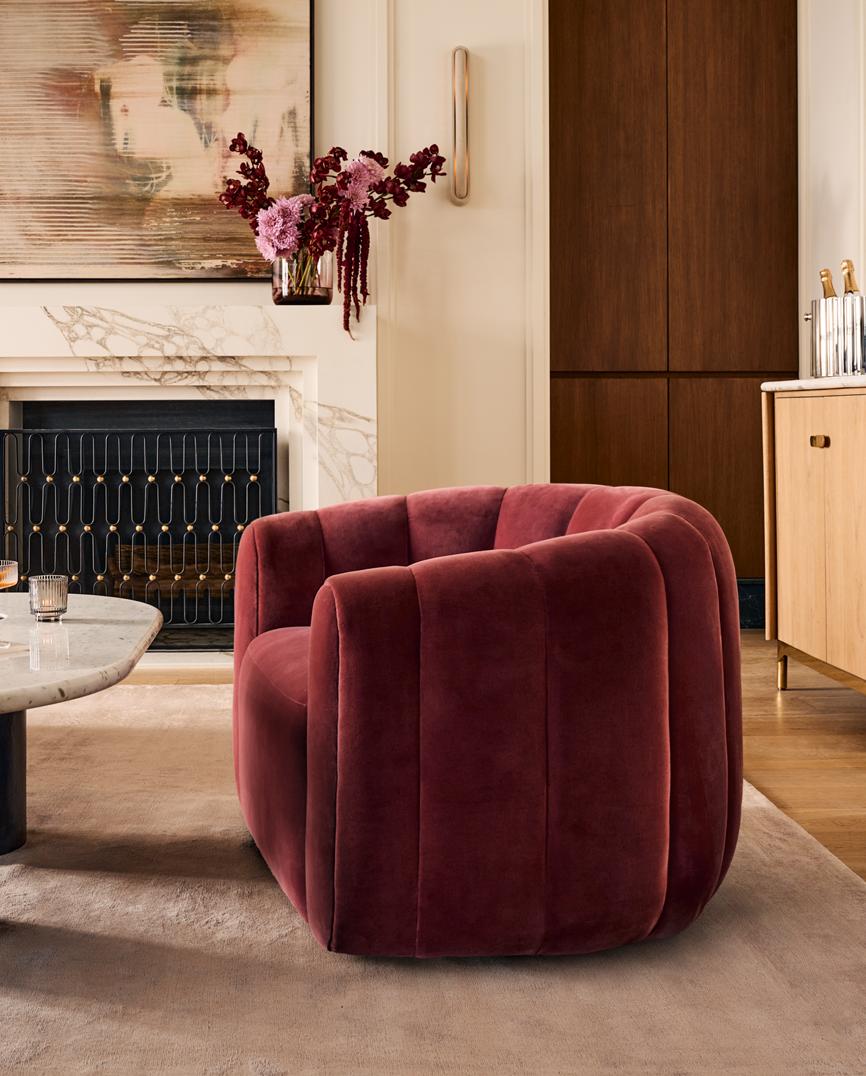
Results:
323 382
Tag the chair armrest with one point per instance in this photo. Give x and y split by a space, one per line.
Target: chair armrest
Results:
435 691
283 559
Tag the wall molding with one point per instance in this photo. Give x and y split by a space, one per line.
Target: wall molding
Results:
536 245
537 138
386 127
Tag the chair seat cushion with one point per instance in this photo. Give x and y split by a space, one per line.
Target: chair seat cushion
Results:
272 752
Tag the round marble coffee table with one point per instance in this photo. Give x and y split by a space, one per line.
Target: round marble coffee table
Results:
97 644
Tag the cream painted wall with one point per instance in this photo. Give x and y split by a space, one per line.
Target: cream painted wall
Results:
832 177
462 303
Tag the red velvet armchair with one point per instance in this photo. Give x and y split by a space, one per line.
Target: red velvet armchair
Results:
483 721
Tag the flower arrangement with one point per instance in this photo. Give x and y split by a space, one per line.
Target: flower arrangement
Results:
335 217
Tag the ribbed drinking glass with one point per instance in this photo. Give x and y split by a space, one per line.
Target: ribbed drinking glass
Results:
48 596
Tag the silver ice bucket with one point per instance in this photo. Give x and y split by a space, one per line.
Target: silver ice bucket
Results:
838 336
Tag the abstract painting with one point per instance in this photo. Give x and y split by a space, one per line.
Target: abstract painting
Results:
115 123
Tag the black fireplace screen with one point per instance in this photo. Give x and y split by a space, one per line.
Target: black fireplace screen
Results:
155 516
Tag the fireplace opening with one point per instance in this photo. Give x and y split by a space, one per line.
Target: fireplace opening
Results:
144 500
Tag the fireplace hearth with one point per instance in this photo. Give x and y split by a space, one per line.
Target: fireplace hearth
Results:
141 500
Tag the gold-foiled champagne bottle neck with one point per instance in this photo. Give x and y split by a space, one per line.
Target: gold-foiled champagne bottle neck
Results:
827 284
849 280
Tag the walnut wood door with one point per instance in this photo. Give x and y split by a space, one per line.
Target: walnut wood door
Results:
801 533
608 189
715 458
732 138
609 430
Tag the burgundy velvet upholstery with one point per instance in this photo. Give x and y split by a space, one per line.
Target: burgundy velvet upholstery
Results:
486 721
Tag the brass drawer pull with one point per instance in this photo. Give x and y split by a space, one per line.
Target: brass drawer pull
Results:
820 440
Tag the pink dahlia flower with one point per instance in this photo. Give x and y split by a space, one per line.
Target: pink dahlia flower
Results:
365 173
279 226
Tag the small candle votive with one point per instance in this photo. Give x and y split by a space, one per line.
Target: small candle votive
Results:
48 596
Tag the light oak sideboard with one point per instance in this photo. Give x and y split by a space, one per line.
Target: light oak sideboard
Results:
815 525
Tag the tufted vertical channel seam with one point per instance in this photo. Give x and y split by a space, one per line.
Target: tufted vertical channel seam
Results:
543 594
608 507
336 762
728 609
320 829
445 522
535 513
666 867
375 874
358 535
482 755
257 628
607 801
420 763
696 716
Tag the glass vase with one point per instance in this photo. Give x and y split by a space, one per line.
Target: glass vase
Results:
302 279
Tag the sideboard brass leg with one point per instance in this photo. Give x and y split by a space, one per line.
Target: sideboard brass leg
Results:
782 672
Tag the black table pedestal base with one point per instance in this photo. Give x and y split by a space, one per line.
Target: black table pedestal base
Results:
13 780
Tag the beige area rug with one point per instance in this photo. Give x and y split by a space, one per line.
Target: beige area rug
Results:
140 932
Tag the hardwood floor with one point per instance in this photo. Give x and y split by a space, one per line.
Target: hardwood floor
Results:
805 749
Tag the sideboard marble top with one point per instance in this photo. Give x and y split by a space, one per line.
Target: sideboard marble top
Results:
96 645
810 384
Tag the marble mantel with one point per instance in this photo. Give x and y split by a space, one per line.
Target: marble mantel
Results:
322 381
